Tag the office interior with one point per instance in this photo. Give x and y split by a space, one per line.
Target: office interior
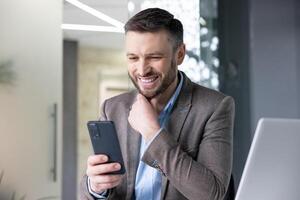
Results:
54 76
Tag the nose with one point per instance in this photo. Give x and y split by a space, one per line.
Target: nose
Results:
143 67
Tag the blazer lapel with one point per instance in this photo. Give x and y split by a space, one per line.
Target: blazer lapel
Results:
174 127
177 118
180 109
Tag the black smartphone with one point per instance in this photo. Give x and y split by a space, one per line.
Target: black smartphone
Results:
105 141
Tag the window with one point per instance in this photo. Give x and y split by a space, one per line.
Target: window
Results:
200 36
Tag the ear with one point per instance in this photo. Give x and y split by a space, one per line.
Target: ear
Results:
180 53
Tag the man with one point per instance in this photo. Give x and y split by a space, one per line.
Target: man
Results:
175 136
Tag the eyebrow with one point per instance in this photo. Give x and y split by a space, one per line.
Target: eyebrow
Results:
147 54
130 54
155 54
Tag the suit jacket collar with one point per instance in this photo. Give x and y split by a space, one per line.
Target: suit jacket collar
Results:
174 126
178 117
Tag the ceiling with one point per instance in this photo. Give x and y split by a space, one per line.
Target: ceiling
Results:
116 9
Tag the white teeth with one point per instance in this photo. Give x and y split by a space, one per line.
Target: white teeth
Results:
144 80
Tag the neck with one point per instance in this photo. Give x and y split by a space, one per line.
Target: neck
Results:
160 101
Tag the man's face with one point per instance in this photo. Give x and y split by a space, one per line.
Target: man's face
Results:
152 61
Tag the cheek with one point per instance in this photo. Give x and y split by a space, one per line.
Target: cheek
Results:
130 69
165 67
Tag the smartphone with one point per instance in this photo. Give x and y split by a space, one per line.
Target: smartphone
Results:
105 141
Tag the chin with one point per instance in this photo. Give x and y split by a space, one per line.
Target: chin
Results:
149 95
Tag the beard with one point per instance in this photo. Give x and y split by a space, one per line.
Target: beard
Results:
165 82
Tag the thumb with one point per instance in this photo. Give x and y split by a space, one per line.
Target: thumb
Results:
140 97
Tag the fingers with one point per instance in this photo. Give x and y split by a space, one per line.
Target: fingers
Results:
102 169
98 170
100 187
104 179
140 103
96 159
141 98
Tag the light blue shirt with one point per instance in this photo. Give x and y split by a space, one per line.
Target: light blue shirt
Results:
148 179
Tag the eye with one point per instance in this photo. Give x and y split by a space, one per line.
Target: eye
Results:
132 58
155 57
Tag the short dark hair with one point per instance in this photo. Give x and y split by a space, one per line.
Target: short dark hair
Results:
156 19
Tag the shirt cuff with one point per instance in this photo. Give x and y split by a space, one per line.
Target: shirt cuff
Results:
148 143
103 195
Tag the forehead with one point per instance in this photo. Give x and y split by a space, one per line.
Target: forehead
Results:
147 41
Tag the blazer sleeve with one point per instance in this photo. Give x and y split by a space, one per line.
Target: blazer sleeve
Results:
207 176
83 188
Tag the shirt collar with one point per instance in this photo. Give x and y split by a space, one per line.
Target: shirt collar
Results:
165 113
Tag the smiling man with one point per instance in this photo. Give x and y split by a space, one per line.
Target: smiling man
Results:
175 135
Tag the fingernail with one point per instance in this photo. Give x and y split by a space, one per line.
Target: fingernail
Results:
104 158
117 166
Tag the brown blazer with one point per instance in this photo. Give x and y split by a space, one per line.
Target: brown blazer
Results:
193 153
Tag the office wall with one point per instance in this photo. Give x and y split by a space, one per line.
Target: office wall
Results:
69 170
297 19
260 65
234 31
96 67
30 37
274 69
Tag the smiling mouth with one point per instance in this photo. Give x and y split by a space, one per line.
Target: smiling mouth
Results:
148 79
148 82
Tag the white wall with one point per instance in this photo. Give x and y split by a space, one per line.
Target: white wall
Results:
30 36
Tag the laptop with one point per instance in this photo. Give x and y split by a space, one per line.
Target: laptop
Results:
272 170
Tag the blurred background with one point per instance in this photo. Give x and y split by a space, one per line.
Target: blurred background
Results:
60 59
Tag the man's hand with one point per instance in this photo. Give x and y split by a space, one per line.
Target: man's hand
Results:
143 118
96 168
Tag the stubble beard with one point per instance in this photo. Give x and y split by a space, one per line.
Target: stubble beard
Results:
166 82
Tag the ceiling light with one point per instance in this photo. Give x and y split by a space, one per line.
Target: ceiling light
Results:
202 21
96 13
81 27
131 6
